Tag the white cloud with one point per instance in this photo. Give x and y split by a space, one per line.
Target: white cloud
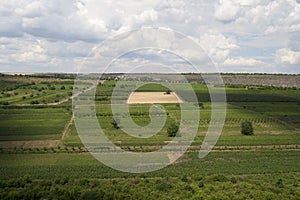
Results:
246 64
16 50
269 17
217 45
226 11
247 2
231 31
287 56
242 62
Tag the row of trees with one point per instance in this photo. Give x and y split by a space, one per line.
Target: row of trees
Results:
172 130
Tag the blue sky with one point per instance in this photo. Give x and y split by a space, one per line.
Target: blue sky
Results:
237 35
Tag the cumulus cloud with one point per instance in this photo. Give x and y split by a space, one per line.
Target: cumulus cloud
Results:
269 17
287 56
54 34
226 11
217 45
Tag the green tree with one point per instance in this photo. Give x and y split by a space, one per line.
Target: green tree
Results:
247 128
168 91
116 123
172 130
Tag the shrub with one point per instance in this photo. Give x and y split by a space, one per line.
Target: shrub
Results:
172 130
233 180
279 183
92 194
247 128
5 103
200 184
163 186
219 178
115 123
168 91
34 102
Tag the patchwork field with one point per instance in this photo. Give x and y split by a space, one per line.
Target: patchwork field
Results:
39 142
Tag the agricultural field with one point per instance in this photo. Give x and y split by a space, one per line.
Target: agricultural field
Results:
21 90
42 156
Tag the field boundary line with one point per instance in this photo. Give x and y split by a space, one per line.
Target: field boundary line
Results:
68 124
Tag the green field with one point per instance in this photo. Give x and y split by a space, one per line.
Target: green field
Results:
261 166
231 175
32 123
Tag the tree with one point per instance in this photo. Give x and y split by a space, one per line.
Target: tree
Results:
247 128
116 123
168 91
172 130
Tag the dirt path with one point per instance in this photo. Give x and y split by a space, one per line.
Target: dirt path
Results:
67 126
63 100
196 148
31 144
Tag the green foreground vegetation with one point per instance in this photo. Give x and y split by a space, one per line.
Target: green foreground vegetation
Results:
42 156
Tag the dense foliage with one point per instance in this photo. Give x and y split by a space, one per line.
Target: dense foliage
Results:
173 130
198 187
247 128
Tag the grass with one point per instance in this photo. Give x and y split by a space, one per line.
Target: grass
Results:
49 165
32 124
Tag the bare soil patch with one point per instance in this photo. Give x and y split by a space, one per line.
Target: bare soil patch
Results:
153 97
29 144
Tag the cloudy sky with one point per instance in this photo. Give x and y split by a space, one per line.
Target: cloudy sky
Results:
237 35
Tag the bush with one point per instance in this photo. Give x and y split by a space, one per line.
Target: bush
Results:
200 184
163 186
172 130
233 180
247 128
219 178
168 91
34 102
116 123
5 103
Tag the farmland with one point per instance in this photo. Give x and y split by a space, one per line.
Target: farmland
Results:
42 155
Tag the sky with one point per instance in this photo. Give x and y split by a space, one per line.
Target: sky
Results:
256 36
